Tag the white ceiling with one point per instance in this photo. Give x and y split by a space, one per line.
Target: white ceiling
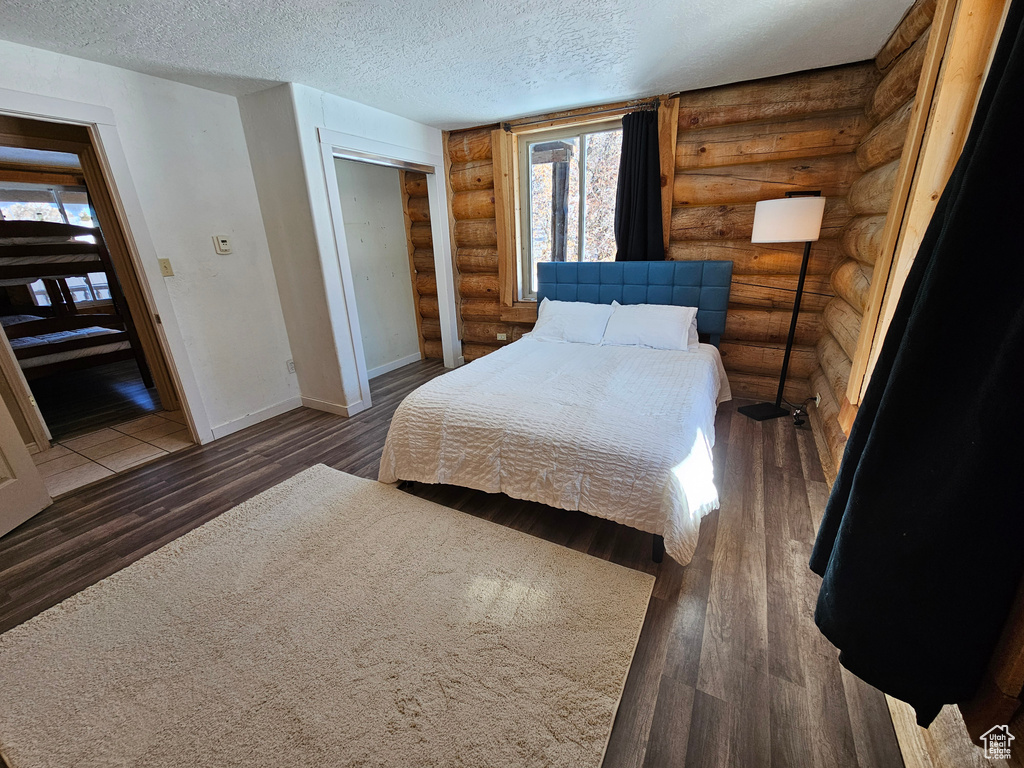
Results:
455 63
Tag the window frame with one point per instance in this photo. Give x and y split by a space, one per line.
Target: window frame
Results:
524 228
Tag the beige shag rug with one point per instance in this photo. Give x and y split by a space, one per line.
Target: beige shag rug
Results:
330 621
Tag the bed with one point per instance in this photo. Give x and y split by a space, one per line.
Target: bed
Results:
622 433
63 336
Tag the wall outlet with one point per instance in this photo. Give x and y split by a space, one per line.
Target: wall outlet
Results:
817 399
502 337
290 365
165 267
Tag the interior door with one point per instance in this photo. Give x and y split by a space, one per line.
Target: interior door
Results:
22 493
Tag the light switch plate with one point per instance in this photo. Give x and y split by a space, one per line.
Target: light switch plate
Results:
165 267
222 244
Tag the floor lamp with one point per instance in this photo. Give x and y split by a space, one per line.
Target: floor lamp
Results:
795 218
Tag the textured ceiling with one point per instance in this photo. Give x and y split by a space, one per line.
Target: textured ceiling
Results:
454 63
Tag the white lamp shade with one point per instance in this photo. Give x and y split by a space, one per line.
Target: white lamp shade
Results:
788 220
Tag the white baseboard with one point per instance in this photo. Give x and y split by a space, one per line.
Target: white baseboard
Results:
256 417
388 367
341 410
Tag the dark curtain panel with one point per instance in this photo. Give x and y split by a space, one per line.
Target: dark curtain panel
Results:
638 231
922 543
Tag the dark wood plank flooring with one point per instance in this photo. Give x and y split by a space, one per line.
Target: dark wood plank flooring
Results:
83 401
729 670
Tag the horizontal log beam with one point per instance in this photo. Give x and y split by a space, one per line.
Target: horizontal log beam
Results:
760 258
476 174
771 325
473 351
487 333
815 136
476 233
415 184
750 182
430 328
475 204
805 93
464 146
900 84
913 25
766 359
779 291
426 284
843 322
423 260
488 309
760 387
835 365
885 142
419 209
736 222
872 192
852 282
862 239
433 350
419 233
478 286
428 306
477 260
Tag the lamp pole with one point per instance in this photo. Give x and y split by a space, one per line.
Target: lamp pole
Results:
765 411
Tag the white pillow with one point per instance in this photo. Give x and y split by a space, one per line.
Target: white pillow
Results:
575 321
656 326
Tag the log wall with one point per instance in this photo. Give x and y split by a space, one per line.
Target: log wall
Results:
421 261
735 145
476 245
888 109
838 130
738 144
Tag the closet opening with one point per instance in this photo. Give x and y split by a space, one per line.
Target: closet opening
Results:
375 215
81 368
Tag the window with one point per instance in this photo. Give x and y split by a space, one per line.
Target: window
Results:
568 179
61 204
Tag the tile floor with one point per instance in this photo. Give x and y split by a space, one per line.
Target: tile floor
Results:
70 464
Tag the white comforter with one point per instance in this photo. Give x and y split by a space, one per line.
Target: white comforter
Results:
622 433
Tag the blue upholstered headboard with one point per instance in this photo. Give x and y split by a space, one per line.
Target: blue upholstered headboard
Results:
701 284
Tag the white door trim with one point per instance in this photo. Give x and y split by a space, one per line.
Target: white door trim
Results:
140 243
336 144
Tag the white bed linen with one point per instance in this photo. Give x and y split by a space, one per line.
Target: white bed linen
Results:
623 433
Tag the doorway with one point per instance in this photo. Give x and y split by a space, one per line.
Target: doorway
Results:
374 223
83 372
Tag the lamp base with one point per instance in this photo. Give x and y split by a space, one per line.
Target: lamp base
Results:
763 411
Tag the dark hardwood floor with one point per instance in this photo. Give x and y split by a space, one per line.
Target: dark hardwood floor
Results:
83 401
730 669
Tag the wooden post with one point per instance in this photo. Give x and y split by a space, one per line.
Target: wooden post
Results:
505 218
668 127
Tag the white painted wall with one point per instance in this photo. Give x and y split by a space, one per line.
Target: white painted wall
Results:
371 204
186 152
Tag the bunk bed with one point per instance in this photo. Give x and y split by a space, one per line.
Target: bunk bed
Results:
62 336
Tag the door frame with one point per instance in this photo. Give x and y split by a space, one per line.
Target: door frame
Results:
128 211
346 146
